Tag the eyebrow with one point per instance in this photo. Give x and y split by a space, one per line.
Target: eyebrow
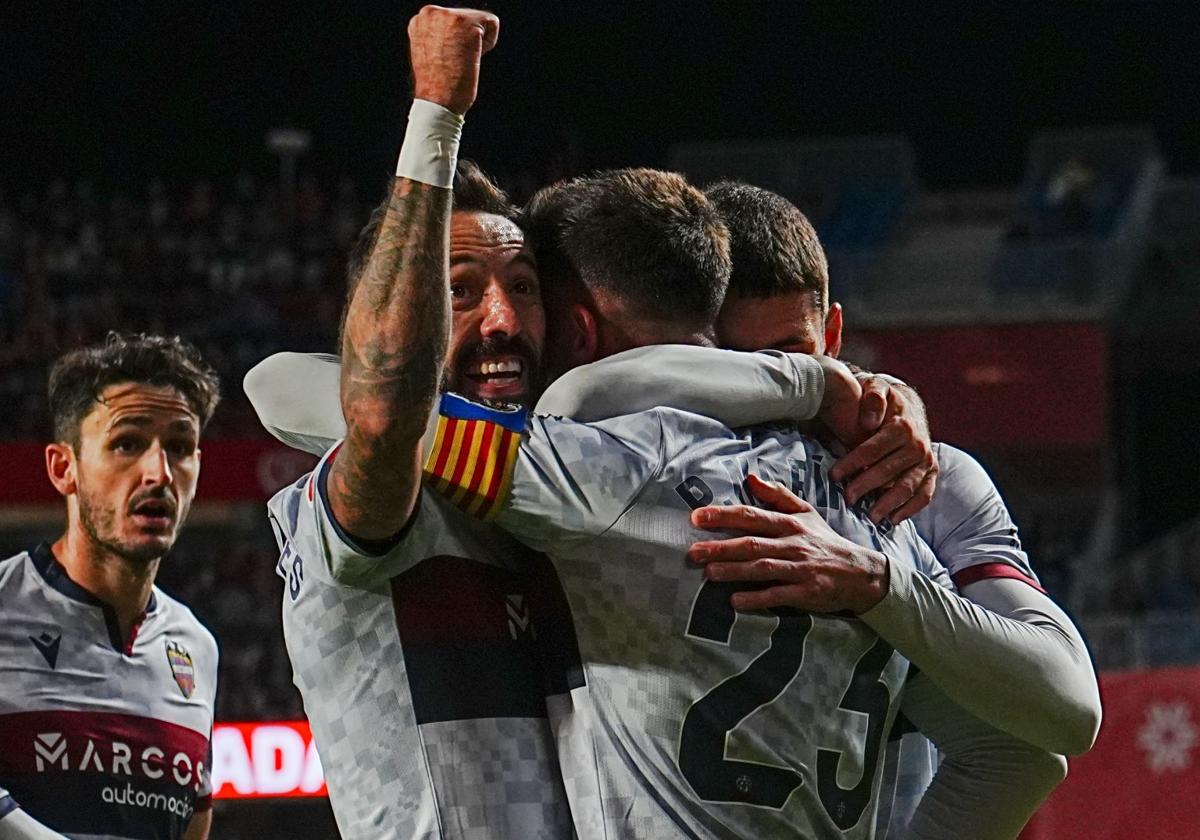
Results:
142 421
527 258
523 256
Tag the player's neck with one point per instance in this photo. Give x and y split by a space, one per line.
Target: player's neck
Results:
123 584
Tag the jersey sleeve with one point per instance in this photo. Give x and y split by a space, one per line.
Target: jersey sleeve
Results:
544 479
304 524
7 803
738 389
16 824
295 396
968 525
1014 659
989 783
205 791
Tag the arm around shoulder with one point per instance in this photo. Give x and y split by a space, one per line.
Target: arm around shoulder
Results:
295 396
1013 657
735 388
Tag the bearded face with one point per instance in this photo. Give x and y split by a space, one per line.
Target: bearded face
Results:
135 470
498 324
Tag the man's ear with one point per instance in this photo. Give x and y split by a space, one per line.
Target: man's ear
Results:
833 330
585 335
60 466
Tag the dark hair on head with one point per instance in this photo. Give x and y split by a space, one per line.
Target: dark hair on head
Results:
79 377
645 236
775 249
474 192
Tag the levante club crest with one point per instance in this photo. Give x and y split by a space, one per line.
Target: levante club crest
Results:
182 667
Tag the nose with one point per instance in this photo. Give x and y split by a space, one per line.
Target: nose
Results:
499 315
156 467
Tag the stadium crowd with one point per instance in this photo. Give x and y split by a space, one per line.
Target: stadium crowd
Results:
237 271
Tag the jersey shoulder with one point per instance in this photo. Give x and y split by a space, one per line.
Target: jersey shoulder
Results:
11 568
968 524
961 467
180 617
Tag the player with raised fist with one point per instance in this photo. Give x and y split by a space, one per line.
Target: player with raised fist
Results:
409 627
446 46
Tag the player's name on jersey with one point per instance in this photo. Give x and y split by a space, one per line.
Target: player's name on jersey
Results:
805 478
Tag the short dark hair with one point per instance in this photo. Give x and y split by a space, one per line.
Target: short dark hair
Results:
79 377
774 247
645 236
474 192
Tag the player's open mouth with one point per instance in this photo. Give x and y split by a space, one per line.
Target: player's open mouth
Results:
154 515
497 376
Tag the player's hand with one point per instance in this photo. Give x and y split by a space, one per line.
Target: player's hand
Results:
897 459
811 567
840 405
445 46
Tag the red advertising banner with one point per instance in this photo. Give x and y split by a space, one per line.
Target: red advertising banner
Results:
230 470
257 760
1142 779
1008 385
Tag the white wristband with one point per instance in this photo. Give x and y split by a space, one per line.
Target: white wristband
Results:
430 150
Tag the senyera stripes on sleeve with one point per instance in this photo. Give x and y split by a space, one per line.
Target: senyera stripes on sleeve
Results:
473 455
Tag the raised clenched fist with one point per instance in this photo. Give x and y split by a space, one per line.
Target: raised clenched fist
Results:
445 46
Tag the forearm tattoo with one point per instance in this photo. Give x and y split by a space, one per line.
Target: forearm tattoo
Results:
395 337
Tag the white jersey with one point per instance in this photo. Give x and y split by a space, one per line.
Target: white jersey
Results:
694 720
972 534
419 667
100 739
967 524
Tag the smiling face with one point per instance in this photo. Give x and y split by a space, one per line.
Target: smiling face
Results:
132 475
498 327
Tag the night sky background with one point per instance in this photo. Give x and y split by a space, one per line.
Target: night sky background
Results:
121 91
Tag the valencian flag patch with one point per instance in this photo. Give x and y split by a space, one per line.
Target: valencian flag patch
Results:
472 458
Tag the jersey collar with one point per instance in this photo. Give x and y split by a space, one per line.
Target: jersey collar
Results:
56 577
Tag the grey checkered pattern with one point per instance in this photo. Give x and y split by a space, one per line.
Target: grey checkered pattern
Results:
389 777
503 762
602 501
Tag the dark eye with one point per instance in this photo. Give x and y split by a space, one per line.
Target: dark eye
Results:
126 446
180 449
525 287
458 291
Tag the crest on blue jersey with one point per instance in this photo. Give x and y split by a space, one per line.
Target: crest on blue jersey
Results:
182 667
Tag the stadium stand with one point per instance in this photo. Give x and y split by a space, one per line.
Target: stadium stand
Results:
234 271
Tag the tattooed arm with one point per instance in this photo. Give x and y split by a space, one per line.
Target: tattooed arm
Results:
395 339
398 316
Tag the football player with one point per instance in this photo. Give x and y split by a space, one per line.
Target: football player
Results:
107 684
